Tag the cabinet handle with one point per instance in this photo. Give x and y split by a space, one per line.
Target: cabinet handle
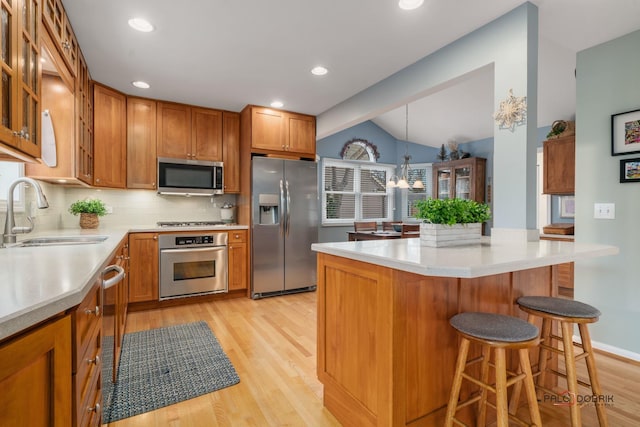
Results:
96 360
95 409
96 311
155 237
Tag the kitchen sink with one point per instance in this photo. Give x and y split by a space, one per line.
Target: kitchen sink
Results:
62 240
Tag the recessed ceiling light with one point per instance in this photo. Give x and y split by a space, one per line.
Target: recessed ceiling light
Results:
410 4
140 24
277 104
141 85
319 70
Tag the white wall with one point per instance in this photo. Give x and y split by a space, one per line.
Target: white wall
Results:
607 83
130 207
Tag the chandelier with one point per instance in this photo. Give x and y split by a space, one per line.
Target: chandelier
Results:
403 180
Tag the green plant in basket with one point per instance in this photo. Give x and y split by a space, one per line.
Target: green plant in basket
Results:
451 211
90 206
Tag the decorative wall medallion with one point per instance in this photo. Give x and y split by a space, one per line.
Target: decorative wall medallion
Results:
512 112
359 149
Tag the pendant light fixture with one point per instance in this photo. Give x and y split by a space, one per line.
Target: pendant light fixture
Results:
403 181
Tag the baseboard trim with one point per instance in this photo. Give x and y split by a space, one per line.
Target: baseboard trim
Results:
614 352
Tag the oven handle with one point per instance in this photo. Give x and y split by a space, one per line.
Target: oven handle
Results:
182 250
106 284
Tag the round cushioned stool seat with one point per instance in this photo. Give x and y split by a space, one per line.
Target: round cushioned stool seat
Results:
559 307
494 327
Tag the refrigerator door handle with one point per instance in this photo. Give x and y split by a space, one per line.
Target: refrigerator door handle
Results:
282 219
288 226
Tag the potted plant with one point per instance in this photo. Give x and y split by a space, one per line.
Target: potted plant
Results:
450 222
89 210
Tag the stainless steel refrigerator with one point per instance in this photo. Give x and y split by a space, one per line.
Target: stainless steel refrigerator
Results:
284 220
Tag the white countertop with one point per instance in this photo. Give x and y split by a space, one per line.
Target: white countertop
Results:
39 282
467 261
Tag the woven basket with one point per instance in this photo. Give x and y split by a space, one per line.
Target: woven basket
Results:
564 127
89 220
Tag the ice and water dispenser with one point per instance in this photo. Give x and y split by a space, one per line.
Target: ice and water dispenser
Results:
268 205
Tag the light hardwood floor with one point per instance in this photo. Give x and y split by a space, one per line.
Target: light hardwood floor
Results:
272 344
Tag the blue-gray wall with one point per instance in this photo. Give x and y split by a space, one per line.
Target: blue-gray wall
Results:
606 84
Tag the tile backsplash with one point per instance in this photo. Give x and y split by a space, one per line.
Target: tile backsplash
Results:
129 207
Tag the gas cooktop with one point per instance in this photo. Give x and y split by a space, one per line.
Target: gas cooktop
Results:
188 223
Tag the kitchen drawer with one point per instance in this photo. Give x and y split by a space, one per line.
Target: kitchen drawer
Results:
90 411
86 318
238 236
88 374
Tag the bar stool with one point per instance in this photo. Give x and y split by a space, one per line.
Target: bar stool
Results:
500 333
567 312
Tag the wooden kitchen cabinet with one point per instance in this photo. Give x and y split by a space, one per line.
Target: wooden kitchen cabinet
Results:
237 259
57 22
143 267
462 179
110 137
87 358
35 377
21 76
272 131
191 133
559 157
141 143
84 123
231 151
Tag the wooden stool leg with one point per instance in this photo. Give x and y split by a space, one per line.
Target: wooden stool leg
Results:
457 382
543 354
570 366
530 389
484 377
501 388
593 374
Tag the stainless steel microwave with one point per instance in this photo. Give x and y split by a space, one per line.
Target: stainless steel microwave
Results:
189 177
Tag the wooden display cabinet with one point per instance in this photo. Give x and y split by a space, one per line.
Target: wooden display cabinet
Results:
559 159
462 179
57 22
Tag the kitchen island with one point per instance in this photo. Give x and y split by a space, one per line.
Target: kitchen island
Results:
386 352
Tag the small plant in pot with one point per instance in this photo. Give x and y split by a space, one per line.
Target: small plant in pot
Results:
450 222
89 211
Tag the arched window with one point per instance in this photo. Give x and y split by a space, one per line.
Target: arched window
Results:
359 149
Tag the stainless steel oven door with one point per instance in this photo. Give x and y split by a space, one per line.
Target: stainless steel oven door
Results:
193 271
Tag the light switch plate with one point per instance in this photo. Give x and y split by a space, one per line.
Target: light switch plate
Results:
604 210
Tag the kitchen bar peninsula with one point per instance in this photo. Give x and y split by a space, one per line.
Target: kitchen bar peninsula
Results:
386 352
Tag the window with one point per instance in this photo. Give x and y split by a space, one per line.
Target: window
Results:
355 191
423 172
9 172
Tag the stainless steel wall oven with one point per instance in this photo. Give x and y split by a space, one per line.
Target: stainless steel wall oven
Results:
192 264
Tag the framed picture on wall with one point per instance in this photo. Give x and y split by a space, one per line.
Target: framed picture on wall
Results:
567 207
630 170
625 133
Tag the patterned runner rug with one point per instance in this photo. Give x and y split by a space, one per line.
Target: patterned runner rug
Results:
160 367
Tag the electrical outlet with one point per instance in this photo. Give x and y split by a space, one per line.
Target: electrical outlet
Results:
604 210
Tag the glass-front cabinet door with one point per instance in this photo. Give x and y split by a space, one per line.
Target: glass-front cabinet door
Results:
20 99
463 182
443 183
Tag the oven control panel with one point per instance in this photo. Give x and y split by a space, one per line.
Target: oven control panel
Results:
194 240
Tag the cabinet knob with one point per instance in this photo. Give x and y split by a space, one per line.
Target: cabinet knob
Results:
96 360
96 311
95 409
237 236
155 237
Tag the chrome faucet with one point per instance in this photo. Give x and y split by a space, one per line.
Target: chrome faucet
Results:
10 229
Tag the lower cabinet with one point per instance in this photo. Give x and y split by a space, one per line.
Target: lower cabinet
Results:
237 259
87 359
143 267
36 374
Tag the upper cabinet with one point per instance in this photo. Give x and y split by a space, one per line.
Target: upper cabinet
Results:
460 179
559 157
110 137
273 131
141 143
20 90
231 151
59 26
190 133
